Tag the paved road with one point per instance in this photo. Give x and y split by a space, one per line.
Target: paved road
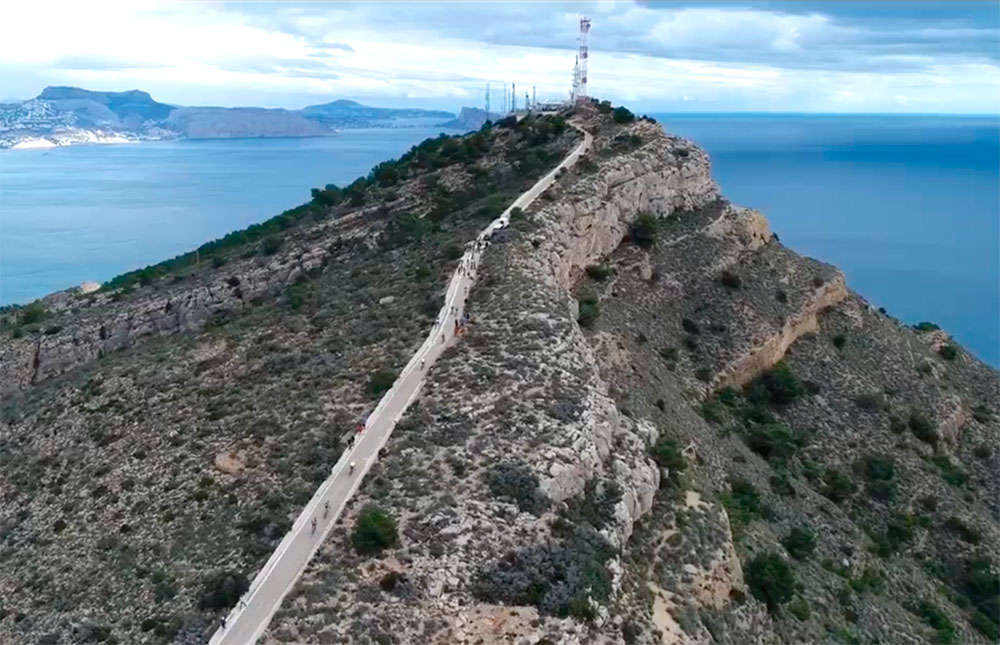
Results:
249 619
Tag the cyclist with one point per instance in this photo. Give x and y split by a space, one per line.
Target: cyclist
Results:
314 525
326 508
352 468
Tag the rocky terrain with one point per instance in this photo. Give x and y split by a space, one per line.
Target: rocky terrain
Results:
662 426
665 427
70 115
158 435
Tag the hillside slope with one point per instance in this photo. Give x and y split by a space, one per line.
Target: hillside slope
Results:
660 426
672 429
157 436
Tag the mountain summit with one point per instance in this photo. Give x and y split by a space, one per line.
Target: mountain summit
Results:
656 424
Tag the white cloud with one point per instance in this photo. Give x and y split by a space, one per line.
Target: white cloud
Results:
699 57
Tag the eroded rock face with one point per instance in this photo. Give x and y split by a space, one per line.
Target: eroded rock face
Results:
84 327
666 174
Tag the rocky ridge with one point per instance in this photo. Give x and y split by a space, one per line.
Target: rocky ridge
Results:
643 498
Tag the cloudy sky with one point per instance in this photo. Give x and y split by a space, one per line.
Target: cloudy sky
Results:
839 56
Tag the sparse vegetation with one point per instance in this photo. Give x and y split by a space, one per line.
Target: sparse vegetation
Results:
374 531
645 230
800 543
771 580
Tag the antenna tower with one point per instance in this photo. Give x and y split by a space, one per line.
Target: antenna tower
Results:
580 86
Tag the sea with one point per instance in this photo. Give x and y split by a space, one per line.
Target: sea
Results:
906 206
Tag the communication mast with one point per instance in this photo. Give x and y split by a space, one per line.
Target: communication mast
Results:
580 86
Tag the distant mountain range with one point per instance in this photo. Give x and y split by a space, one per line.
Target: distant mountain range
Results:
68 115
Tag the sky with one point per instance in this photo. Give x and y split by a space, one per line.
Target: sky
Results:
801 56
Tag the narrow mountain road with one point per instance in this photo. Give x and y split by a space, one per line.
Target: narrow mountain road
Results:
246 622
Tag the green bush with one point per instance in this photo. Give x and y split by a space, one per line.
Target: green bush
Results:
937 619
667 454
742 501
270 246
965 532
452 252
622 115
374 530
948 352
645 230
950 472
773 441
590 309
985 626
730 279
781 485
926 326
800 609
516 481
770 579
778 386
837 486
381 381
222 589
839 341
922 428
800 543
599 272
33 314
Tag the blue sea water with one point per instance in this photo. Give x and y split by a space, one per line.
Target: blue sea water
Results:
78 213
907 206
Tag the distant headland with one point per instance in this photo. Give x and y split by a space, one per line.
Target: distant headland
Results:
62 116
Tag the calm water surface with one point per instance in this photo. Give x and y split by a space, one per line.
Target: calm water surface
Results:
92 212
906 206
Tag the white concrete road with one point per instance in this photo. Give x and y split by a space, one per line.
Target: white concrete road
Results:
247 622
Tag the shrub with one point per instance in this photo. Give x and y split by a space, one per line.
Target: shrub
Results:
839 341
896 425
730 279
781 296
33 314
516 481
561 579
703 374
381 381
965 532
800 609
271 245
898 531
926 326
374 530
948 352
452 252
645 230
937 619
922 428
669 353
837 486
871 402
622 115
770 580
878 467
222 590
778 386
599 272
604 107
590 309
742 501
774 441
667 454
713 411
781 485
800 543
